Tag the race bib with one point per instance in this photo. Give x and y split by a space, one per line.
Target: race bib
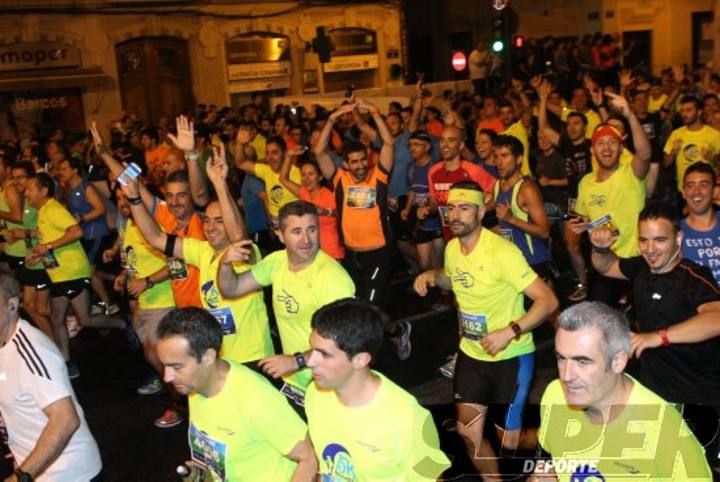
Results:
472 327
178 268
207 451
296 394
604 221
444 212
507 234
225 317
360 197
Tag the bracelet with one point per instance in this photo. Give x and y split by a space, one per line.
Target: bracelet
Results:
135 201
191 156
599 250
300 360
663 334
517 329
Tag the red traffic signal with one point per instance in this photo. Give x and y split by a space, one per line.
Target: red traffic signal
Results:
518 41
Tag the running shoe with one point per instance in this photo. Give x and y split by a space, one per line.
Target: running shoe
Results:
579 294
170 418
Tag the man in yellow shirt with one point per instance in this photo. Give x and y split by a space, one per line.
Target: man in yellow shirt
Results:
614 194
597 423
243 319
362 425
304 279
489 276
269 172
241 429
515 128
693 142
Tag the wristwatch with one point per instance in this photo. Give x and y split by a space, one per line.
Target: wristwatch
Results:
300 360
191 156
148 283
23 476
516 329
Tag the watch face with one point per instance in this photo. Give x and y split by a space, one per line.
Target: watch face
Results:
23 476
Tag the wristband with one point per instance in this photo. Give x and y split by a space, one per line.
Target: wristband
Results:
300 360
148 283
135 201
516 329
599 250
663 334
170 245
191 156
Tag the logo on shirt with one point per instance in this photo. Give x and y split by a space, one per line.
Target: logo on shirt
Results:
465 279
339 464
599 200
210 294
291 304
694 153
276 194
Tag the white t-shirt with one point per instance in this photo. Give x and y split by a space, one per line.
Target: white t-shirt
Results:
32 376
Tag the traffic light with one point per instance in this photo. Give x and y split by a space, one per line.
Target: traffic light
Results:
498 32
518 41
322 45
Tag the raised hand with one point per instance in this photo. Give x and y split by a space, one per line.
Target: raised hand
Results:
619 103
97 139
217 169
601 237
238 252
243 136
626 78
185 139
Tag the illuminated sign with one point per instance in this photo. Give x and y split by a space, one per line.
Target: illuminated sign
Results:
38 55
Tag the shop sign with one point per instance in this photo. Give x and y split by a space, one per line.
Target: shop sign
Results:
349 63
259 70
38 55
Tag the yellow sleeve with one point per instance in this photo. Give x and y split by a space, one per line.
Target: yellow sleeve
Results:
669 143
60 216
192 251
261 170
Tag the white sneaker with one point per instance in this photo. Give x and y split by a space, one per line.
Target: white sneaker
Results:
448 369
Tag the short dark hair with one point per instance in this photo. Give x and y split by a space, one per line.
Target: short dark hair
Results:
488 132
45 181
296 208
687 99
26 166
579 115
702 167
181 175
75 164
512 143
151 132
352 146
354 325
659 210
197 326
277 140
471 185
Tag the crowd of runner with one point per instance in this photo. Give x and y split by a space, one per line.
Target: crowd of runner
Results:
204 239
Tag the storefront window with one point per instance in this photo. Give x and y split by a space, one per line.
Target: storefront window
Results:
40 112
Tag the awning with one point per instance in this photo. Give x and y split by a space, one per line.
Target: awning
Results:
54 79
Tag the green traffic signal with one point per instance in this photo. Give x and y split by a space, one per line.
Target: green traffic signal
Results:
498 46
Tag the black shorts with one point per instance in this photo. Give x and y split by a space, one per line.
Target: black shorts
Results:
35 278
69 289
402 229
503 386
422 236
16 263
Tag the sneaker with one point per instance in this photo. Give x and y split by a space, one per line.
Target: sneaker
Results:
579 294
448 369
72 325
112 309
152 385
73 370
404 345
96 310
170 418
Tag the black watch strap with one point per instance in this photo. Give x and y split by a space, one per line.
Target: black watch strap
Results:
300 360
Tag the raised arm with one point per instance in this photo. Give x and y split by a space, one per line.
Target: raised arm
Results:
217 171
386 151
185 141
327 167
643 149
291 186
245 155
147 225
543 88
417 109
115 167
364 127
603 259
